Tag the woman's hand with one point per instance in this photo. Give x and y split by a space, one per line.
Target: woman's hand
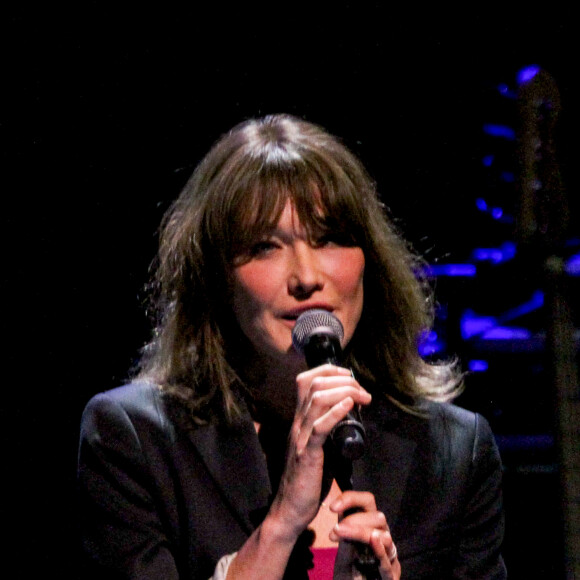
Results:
367 525
325 395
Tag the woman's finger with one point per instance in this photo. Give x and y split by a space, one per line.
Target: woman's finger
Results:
320 401
350 499
366 525
321 409
315 431
385 551
359 527
315 379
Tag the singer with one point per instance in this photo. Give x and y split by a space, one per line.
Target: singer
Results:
217 459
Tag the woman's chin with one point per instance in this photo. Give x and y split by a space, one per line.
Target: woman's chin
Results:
289 358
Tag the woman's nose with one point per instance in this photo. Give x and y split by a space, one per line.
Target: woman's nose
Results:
305 275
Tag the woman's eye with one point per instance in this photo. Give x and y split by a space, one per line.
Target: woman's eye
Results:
333 239
263 247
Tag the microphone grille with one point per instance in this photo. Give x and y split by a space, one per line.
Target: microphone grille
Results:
315 320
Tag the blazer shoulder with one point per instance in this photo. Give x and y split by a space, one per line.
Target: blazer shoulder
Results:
456 417
461 429
452 413
138 404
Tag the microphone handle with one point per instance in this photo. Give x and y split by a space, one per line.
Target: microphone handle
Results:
365 561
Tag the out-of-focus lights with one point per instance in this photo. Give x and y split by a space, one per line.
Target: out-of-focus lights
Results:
505 91
508 176
473 325
478 366
519 442
430 344
503 131
492 255
430 348
497 213
493 327
431 336
505 252
573 265
506 333
487 160
526 74
460 270
536 301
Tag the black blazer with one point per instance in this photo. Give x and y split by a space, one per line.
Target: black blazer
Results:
161 502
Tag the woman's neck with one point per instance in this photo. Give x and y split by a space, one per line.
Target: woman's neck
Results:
272 386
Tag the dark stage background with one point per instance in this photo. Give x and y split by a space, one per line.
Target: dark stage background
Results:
107 110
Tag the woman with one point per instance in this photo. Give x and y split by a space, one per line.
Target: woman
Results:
216 460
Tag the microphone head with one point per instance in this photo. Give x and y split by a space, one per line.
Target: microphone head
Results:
315 321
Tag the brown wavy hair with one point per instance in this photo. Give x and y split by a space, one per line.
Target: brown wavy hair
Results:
235 195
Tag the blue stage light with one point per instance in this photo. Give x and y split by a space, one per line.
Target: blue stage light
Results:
527 73
460 270
506 333
505 252
430 348
573 265
502 131
487 160
481 204
535 302
472 324
478 366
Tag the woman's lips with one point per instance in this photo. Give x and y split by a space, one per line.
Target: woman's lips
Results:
296 312
290 317
289 322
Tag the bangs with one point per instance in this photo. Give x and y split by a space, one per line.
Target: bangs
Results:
269 164
321 209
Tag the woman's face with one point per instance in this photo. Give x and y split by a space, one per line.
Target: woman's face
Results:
286 275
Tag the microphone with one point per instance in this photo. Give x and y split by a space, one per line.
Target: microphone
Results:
317 335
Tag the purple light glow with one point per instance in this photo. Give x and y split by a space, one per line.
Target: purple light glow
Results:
499 131
478 366
526 74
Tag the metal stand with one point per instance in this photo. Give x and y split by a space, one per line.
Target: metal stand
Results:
543 227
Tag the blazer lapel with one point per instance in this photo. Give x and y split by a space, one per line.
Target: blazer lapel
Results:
234 458
386 464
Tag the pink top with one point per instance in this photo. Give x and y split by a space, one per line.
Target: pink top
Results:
323 563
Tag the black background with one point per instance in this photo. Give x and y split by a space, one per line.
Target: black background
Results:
105 112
